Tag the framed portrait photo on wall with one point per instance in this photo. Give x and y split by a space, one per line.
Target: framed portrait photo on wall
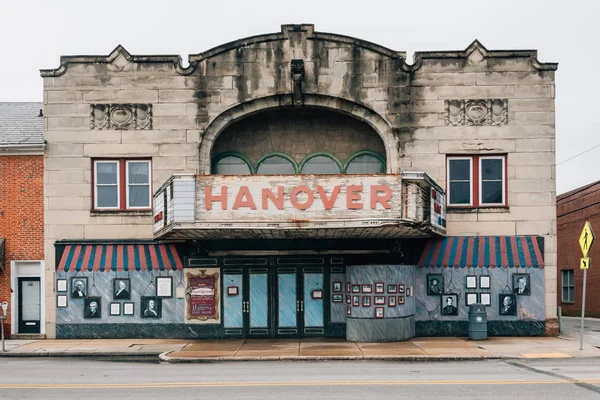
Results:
164 286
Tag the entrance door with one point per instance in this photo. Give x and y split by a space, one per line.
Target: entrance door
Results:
29 305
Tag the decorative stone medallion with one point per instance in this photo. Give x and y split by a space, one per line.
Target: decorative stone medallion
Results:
492 112
120 116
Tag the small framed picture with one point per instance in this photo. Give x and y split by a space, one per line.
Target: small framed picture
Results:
348 287
355 288
337 298
392 289
79 287
485 299
521 284
337 287
164 286
379 287
233 291
348 310
379 300
400 299
356 300
317 294
151 307
121 289
401 288
62 300
485 282
92 307
508 304
391 301
367 288
115 308
435 284
348 299
471 298
379 313
408 291
366 301
471 281
61 285
449 304
128 308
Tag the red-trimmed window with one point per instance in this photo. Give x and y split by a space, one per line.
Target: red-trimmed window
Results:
122 184
476 181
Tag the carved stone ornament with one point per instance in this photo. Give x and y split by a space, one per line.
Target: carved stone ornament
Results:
120 116
297 67
491 112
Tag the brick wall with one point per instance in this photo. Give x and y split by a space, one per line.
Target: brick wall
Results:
21 214
573 209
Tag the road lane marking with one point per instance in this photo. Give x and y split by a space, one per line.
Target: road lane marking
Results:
297 383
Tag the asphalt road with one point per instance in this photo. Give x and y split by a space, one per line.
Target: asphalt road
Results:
66 378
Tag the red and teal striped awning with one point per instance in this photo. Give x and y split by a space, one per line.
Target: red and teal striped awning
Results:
484 252
119 257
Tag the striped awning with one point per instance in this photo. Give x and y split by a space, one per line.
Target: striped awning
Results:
119 257
484 251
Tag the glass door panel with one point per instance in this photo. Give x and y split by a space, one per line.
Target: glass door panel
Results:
233 315
29 305
288 303
259 304
313 303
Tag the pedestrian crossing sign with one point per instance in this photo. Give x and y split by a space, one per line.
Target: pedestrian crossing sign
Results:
585 263
586 238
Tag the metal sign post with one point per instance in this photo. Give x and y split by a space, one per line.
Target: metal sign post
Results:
586 239
2 318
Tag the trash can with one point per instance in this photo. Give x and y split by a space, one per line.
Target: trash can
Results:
477 322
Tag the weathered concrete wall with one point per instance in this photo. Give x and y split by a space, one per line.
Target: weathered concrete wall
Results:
403 104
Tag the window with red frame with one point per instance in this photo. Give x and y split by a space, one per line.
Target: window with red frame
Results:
122 184
476 181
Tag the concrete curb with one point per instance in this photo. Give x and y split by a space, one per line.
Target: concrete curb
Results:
79 354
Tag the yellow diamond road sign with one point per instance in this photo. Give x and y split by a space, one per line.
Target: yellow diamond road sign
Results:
586 238
585 263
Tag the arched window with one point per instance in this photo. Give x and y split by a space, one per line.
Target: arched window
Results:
275 165
365 163
231 165
321 164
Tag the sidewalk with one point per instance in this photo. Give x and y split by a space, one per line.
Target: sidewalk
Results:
417 349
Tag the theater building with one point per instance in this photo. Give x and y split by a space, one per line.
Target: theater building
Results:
300 184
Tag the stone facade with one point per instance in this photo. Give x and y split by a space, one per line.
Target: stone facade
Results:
507 98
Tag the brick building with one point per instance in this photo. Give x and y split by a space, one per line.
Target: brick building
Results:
300 183
573 209
22 215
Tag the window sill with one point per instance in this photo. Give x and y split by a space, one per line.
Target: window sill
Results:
483 210
568 303
127 213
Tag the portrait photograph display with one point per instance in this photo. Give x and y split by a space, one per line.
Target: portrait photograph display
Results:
408 291
121 289
79 286
355 288
471 298
151 307
379 287
348 299
391 301
521 284
337 298
61 285
62 301
471 281
435 284
367 288
379 313
164 286
401 288
348 310
449 304
379 300
114 308
485 282
348 287
400 299
337 287
507 304
485 299
392 289
356 300
128 308
92 307
366 301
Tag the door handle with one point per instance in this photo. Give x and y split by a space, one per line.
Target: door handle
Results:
297 305
244 309
247 306
301 306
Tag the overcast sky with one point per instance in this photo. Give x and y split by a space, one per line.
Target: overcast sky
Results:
34 34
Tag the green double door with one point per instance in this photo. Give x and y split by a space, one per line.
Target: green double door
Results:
272 302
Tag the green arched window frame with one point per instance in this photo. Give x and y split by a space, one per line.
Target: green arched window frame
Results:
324 154
366 153
220 156
275 154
